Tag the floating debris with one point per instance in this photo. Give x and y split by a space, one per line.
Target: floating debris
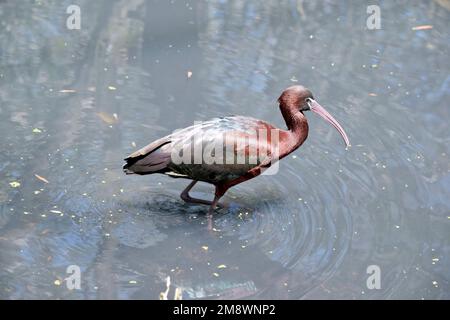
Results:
37 130
189 74
41 178
14 184
222 266
132 282
109 119
215 274
112 88
423 27
55 211
67 91
205 248
372 94
57 282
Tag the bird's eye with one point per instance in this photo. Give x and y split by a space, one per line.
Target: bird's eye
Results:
308 102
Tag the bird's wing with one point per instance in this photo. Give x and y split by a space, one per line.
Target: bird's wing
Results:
242 135
241 140
236 138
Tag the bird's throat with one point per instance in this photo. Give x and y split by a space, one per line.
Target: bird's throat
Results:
297 129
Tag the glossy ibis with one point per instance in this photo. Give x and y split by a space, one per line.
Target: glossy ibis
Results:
256 142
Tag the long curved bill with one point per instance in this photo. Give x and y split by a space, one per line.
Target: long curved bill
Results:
317 108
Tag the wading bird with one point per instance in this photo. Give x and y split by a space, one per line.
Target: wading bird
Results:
244 137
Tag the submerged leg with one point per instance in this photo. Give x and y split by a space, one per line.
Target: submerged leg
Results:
211 209
220 191
214 204
187 198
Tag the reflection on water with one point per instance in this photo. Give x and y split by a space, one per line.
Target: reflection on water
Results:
75 102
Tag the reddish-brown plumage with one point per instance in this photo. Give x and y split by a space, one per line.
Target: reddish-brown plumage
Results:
241 138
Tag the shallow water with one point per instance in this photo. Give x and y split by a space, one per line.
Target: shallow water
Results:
74 103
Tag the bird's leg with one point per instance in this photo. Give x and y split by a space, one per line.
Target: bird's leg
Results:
214 203
218 194
187 198
220 191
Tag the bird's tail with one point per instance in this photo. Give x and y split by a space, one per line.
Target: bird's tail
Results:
154 162
126 168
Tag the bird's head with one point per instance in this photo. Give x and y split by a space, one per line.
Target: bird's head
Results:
297 97
301 99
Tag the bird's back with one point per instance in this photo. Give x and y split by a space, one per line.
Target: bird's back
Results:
213 151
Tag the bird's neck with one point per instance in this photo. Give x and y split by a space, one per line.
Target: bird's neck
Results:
297 128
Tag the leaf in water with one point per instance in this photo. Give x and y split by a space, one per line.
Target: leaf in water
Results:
14 184
41 178
109 119
37 130
444 3
424 27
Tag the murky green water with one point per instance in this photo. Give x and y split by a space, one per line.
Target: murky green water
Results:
74 103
